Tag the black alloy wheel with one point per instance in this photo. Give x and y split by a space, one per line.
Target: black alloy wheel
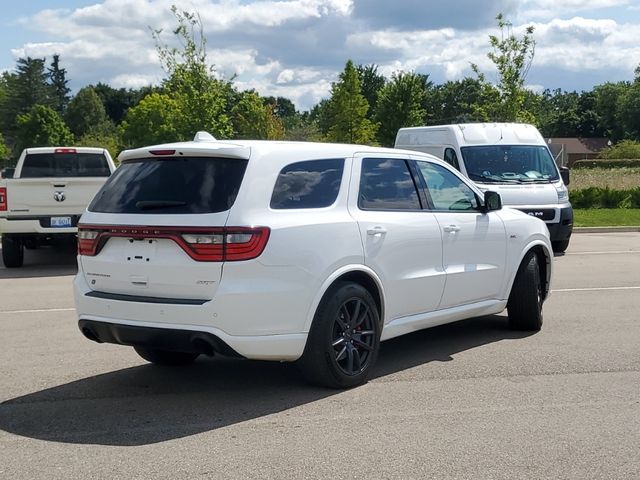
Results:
353 336
344 339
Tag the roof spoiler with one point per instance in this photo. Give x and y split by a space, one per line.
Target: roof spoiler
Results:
203 136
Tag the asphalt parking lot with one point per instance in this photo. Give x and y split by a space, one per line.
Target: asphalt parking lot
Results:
469 400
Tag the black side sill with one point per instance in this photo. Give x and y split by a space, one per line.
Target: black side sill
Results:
141 299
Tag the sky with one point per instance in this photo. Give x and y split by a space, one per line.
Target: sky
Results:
297 48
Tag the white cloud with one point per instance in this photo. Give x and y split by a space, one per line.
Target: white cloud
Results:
295 48
549 9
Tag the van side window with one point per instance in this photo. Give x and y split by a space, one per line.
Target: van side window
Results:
387 184
451 158
448 192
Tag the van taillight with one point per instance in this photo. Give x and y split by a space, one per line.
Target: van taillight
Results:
221 244
3 199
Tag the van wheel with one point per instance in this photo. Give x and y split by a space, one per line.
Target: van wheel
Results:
525 301
344 339
166 357
12 252
560 246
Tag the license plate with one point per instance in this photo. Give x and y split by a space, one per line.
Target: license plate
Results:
61 221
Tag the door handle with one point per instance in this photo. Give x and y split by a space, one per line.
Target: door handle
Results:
376 230
451 228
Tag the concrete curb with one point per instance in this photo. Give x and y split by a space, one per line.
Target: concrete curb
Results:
605 229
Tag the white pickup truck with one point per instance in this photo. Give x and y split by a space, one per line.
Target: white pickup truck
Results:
42 199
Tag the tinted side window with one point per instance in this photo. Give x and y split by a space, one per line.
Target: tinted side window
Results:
387 184
37 165
451 158
309 184
448 192
171 185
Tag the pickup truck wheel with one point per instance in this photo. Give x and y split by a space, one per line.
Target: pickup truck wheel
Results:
344 339
12 252
525 301
560 246
166 357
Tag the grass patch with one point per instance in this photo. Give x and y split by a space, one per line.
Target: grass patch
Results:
613 178
606 217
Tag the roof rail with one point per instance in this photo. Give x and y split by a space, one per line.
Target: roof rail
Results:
203 136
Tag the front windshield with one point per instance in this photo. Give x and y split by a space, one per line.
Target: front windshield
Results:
509 164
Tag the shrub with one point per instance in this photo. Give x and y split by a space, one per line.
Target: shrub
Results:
624 149
597 197
617 163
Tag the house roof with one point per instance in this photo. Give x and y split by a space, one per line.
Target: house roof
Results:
578 145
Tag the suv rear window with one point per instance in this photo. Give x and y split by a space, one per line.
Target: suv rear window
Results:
38 165
309 184
171 185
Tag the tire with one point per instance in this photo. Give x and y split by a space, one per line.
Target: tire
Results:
342 350
166 357
525 301
12 252
560 246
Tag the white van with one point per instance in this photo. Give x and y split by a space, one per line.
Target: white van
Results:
510 158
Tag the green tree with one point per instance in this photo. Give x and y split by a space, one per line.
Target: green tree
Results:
85 112
512 57
459 101
589 119
348 109
101 139
58 81
201 98
252 118
401 104
4 150
303 128
628 110
42 126
607 99
25 87
283 108
117 101
371 82
322 116
152 121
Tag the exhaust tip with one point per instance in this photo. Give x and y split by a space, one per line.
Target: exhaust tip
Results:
203 345
87 332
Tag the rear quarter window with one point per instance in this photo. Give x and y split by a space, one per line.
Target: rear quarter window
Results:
39 165
308 184
172 185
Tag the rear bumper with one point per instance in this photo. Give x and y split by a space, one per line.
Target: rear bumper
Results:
36 225
127 320
192 338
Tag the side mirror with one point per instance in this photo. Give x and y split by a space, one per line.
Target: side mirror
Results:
8 172
492 201
564 173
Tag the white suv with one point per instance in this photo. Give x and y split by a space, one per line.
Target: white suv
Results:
297 251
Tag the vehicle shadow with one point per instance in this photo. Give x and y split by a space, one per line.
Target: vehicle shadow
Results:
47 261
148 404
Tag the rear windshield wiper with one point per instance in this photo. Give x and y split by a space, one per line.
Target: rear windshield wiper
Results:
151 204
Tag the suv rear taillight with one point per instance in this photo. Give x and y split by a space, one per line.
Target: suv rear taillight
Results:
219 244
3 199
